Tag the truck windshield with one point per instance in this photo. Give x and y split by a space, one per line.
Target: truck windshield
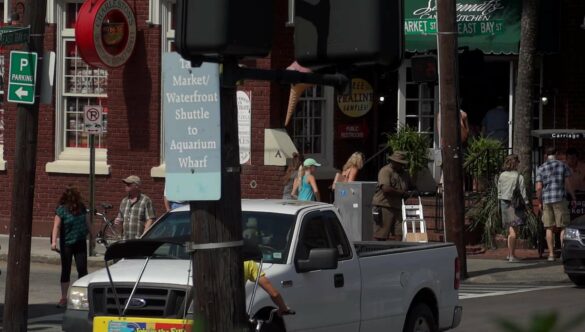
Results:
271 232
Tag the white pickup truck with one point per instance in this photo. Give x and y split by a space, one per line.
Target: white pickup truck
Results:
376 286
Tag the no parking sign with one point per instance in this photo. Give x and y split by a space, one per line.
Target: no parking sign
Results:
92 119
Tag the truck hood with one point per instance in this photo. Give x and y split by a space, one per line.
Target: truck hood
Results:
168 271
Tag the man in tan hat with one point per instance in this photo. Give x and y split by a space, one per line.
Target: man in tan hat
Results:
393 182
136 212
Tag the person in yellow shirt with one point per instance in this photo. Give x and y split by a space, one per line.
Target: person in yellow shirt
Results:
252 272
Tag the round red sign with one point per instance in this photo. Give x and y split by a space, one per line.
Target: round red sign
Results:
105 32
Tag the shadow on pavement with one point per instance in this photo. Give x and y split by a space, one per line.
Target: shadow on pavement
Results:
519 266
40 315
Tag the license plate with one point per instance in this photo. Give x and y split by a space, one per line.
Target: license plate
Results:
140 324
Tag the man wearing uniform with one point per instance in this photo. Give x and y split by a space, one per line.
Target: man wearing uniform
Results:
392 186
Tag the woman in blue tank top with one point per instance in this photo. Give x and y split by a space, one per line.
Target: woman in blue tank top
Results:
306 183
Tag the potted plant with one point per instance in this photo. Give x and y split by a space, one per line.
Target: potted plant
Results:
416 145
483 160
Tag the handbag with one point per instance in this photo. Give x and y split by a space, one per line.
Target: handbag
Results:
517 199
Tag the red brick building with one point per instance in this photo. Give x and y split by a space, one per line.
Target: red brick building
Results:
131 95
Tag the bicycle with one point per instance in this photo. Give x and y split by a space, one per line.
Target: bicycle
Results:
108 233
258 323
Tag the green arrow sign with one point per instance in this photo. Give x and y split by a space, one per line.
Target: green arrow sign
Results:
22 77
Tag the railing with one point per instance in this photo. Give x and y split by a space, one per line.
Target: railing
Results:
482 170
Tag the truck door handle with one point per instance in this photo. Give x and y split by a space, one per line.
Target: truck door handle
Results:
338 280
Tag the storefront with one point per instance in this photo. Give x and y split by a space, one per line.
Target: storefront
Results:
489 34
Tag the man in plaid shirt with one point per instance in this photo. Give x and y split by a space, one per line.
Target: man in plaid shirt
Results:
136 212
552 186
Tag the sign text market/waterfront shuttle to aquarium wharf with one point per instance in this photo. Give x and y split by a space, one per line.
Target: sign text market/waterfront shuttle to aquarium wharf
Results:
191 107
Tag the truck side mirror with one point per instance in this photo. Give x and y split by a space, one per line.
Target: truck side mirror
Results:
319 259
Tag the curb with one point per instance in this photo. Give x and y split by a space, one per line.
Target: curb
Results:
92 261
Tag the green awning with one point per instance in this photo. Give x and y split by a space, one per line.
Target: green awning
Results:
492 26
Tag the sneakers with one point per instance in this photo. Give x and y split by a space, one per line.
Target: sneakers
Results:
551 258
513 259
62 303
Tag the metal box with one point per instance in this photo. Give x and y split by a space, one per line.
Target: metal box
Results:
354 201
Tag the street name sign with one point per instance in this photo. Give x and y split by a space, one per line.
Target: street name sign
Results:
14 35
191 108
22 77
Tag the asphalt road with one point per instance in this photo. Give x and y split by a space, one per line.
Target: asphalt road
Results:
44 293
481 314
483 305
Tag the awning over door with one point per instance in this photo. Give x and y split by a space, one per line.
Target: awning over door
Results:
492 26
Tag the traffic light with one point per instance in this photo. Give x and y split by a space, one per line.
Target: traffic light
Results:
346 32
217 28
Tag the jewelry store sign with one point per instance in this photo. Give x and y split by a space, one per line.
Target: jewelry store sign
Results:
191 107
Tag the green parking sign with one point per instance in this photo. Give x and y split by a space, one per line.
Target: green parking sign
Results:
22 77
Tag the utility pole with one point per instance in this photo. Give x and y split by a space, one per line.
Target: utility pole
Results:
217 230
18 265
453 202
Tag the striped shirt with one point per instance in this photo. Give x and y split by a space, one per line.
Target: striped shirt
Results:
135 215
552 175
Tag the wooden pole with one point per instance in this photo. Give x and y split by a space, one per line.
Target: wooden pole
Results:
454 210
218 273
23 187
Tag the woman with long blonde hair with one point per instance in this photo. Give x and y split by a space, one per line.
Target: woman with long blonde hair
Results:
349 172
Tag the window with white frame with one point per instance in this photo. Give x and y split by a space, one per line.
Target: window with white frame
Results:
78 85
167 21
418 105
312 126
2 161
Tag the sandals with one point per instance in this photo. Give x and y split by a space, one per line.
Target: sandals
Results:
62 303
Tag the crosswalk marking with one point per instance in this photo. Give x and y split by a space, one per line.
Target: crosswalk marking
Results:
471 291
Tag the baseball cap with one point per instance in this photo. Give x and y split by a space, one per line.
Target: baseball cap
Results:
310 162
132 179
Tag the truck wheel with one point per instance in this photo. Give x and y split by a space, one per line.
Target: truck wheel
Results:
578 279
420 319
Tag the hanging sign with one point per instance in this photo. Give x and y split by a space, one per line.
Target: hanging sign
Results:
105 32
191 109
244 125
359 101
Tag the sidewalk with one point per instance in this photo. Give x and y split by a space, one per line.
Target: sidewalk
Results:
41 252
489 267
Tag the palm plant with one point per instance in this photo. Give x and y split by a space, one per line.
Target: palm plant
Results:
416 145
485 215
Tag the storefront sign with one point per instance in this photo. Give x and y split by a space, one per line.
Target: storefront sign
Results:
191 107
352 131
244 125
105 32
360 101
490 25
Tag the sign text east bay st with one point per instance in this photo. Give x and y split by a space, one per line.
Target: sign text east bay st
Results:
22 77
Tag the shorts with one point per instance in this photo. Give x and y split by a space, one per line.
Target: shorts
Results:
387 226
556 214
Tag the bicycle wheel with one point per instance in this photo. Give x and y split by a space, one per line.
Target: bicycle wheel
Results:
111 233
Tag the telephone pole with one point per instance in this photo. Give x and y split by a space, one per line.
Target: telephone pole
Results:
454 212
18 265
216 235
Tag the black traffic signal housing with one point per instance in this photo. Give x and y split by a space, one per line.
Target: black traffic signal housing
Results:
349 32
218 28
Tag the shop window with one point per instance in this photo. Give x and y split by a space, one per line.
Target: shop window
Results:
78 85
312 127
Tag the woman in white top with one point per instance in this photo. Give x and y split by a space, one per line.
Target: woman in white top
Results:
512 217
